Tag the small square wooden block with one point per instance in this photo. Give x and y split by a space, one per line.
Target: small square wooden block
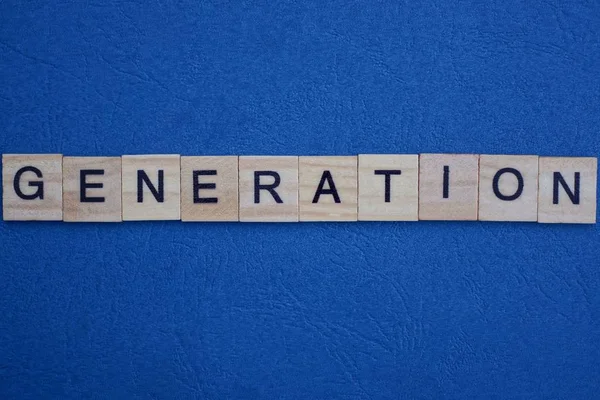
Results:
32 187
388 187
329 188
567 190
209 188
268 188
92 189
508 187
145 198
448 187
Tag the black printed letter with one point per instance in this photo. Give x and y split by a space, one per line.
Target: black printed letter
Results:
332 190
271 188
519 190
83 186
558 179
388 177
198 186
142 178
446 181
39 193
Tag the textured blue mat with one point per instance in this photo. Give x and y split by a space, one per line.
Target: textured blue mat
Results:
290 311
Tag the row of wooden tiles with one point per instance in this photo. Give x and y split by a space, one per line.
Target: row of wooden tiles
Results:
289 188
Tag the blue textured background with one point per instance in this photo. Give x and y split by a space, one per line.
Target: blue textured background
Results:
250 311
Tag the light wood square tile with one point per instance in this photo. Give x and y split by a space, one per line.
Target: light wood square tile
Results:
459 201
209 188
143 205
508 188
342 171
567 190
268 188
32 187
388 187
92 189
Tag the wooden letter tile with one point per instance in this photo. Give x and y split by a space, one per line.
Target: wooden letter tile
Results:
448 186
92 189
209 188
388 187
328 188
567 190
151 187
32 187
508 188
268 188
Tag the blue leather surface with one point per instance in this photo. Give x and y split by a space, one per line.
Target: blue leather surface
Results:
308 310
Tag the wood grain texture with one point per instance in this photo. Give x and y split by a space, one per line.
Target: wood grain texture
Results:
403 199
225 191
151 209
515 176
48 208
566 211
463 178
344 173
109 210
268 209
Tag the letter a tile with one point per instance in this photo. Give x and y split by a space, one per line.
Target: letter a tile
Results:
328 188
508 188
448 186
268 188
151 187
32 187
92 189
567 192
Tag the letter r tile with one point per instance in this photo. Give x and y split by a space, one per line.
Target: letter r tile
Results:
268 188
32 187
